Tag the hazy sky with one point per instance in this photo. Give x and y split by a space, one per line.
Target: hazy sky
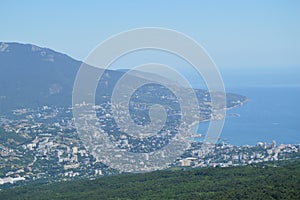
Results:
235 33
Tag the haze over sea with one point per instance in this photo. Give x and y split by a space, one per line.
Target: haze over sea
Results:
272 112
273 109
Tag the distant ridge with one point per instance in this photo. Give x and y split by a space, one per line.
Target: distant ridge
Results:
32 76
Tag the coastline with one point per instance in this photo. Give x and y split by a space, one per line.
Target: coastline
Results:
195 132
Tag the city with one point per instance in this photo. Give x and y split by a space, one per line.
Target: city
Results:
42 144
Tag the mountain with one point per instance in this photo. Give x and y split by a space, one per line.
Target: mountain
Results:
34 76
31 76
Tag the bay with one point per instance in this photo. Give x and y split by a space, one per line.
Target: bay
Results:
272 112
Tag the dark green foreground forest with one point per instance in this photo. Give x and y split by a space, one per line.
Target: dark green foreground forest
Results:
278 180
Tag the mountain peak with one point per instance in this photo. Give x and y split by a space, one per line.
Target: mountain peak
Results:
20 49
3 47
31 75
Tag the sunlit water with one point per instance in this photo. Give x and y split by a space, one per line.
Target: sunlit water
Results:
272 112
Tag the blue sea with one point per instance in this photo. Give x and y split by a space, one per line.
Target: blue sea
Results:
273 109
272 112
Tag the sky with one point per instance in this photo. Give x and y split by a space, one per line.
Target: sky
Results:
234 33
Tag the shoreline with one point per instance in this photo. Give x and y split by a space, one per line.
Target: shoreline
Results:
208 120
